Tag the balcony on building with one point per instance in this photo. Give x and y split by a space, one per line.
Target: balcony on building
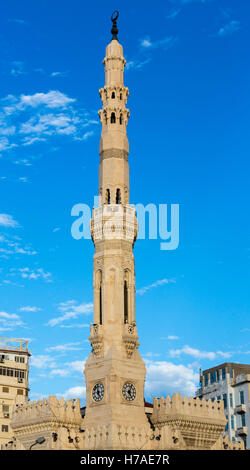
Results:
240 409
242 431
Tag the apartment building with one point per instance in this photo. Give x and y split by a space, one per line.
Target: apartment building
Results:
14 385
230 382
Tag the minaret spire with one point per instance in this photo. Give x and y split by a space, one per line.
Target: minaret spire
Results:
114 30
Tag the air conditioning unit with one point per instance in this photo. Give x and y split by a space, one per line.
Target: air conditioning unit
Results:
6 415
20 381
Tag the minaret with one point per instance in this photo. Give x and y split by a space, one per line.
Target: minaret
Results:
114 371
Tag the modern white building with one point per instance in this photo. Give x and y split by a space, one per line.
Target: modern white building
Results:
230 382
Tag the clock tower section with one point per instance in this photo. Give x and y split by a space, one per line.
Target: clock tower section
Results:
114 370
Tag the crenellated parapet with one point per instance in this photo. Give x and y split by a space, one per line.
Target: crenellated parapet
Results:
194 423
50 409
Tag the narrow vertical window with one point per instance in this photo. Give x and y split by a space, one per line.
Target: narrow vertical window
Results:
120 118
120 96
112 119
107 199
118 196
100 302
125 302
113 95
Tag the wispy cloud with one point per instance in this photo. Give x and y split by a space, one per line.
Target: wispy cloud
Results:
165 43
17 68
198 354
155 284
17 21
173 14
62 348
26 120
29 308
70 310
7 220
32 274
229 29
10 321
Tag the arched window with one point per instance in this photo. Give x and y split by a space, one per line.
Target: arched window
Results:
120 118
125 302
100 303
107 198
118 196
113 95
112 119
99 296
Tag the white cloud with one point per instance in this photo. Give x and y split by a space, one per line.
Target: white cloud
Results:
17 68
77 366
164 43
52 99
74 392
13 247
172 337
10 321
198 354
155 284
8 316
230 28
71 310
29 119
65 347
7 220
28 273
43 362
29 308
165 378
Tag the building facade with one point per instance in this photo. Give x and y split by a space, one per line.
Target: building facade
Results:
14 381
230 383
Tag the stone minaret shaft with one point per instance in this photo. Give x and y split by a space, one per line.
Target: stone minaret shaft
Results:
114 223
114 370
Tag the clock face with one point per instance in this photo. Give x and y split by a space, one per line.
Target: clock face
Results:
129 391
98 392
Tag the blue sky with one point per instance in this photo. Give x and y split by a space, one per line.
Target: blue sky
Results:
188 73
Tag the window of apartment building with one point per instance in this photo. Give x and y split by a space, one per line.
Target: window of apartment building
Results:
231 372
206 379
5 428
231 400
242 400
6 408
217 375
8 371
225 400
223 373
5 389
232 422
219 398
212 377
19 391
243 419
20 359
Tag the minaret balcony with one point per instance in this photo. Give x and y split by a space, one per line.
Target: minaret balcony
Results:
96 339
114 221
130 338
